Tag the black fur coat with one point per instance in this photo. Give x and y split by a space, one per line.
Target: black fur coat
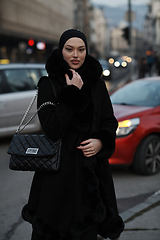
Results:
69 202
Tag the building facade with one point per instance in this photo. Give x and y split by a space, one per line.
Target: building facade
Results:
121 46
41 21
152 26
30 30
100 34
118 43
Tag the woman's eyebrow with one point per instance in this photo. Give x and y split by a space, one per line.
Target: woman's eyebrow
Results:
73 47
69 46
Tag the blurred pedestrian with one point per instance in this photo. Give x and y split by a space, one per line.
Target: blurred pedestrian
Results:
77 202
157 60
143 67
150 62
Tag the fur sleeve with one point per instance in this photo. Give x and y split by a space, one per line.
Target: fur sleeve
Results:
74 97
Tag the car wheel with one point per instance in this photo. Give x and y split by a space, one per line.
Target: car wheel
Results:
147 157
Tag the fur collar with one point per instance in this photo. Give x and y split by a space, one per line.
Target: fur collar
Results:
90 72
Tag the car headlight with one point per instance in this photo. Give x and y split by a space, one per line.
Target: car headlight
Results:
127 126
117 64
124 64
106 73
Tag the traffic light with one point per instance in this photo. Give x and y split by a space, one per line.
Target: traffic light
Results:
126 34
30 42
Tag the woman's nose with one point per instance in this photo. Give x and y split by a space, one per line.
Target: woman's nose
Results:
75 53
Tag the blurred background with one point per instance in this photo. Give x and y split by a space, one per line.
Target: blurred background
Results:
30 30
124 35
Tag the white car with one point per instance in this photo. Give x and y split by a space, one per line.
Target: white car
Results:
18 83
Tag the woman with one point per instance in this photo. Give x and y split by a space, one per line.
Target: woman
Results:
77 202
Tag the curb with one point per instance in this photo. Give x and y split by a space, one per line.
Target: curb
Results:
150 202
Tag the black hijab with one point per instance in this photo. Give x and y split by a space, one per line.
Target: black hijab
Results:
71 33
90 71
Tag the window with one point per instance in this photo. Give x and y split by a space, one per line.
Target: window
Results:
138 93
34 75
21 79
43 72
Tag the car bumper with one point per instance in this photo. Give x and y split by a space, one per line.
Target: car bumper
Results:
125 150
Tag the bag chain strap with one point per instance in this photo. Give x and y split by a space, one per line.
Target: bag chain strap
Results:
20 128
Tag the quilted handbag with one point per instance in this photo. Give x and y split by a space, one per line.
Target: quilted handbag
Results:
34 152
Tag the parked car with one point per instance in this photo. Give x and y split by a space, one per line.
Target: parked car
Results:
18 84
106 75
137 109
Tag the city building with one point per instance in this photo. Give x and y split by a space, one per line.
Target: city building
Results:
118 43
29 30
121 45
152 27
100 34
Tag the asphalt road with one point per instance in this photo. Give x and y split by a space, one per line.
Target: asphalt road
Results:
130 188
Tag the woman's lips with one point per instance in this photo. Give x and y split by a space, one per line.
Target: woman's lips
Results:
75 61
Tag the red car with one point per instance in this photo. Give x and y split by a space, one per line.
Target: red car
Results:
137 109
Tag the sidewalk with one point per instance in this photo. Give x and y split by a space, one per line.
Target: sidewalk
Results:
143 220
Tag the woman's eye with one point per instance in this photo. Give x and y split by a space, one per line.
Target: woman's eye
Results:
82 49
69 49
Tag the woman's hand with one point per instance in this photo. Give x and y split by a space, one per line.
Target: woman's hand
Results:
76 79
90 147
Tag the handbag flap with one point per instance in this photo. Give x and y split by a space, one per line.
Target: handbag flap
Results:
31 145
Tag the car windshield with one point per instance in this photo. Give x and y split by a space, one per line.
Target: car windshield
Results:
138 93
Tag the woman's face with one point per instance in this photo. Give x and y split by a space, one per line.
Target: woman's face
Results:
74 52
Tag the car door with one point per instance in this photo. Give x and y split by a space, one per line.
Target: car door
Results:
3 107
18 90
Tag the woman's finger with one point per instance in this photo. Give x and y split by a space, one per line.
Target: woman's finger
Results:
73 71
76 79
67 79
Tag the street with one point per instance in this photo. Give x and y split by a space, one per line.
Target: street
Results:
120 76
131 189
